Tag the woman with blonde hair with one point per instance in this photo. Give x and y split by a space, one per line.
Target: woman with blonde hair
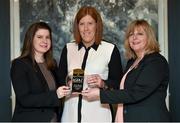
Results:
143 88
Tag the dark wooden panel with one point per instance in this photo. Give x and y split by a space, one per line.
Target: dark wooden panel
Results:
5 86
174 57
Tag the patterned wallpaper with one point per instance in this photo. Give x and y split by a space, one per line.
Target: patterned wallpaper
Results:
59 14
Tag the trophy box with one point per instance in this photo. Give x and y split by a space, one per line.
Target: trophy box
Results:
77 80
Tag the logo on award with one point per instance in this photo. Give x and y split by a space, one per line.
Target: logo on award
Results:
77 80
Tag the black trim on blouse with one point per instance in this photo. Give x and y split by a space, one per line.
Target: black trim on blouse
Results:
115 67
94 46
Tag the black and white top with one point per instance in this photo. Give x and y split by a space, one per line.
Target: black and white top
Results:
103 59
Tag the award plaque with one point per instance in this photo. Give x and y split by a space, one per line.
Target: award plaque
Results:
77 80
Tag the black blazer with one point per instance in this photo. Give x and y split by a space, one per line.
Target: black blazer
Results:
34 100
145 90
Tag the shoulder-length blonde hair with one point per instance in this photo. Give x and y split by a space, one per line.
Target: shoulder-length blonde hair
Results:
152 44
88 10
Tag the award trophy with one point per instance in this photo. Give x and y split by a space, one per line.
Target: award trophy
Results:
77 80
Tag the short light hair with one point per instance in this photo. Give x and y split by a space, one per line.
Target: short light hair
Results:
152 44
88 10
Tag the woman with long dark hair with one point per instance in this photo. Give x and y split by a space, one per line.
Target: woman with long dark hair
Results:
34 78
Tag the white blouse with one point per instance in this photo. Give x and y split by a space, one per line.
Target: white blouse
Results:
97 63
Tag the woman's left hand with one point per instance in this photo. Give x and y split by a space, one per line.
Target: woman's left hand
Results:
95 80
91 94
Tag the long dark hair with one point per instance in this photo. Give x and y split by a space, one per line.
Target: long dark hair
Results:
28 48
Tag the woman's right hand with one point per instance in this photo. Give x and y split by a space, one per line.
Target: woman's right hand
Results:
91 94
63 91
